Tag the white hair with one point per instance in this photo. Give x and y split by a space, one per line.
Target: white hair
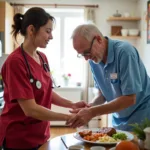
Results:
88 31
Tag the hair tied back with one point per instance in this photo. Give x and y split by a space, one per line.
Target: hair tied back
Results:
21 16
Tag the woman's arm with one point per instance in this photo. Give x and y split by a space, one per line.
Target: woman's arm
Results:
63 102
31 109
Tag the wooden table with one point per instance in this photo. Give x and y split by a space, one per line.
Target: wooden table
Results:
57 144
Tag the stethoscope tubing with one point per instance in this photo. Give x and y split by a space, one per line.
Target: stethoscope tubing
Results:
45 66
25 58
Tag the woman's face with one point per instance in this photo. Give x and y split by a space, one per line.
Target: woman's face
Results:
43 35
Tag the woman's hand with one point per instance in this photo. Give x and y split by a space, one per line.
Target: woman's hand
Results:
81 118
78 106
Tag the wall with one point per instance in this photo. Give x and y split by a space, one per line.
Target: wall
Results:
108 7
145 48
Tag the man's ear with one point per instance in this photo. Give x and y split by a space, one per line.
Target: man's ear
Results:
99 39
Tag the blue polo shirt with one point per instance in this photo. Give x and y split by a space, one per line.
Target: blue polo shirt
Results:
123 74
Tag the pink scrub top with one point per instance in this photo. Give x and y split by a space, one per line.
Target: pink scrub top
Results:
18 130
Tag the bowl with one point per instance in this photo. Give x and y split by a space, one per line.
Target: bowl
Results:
126 14
97 148
117 14
124 32
113 148
133 32
76 147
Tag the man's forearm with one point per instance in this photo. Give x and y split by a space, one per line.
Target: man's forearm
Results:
98 100
116 105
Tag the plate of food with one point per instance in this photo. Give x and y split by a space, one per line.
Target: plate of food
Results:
105 135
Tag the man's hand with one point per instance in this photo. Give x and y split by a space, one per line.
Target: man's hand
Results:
81 118
75 111
78 106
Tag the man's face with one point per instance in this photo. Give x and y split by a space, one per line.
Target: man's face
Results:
89 50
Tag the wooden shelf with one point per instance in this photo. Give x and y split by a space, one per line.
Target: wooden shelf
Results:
123 19
125 37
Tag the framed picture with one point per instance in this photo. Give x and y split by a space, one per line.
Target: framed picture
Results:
148 22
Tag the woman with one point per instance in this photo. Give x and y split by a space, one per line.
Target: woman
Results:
28 94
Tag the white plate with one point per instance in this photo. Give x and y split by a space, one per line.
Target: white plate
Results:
77 136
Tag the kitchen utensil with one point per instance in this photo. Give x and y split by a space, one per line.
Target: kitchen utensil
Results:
124 32
133 32
117 14
126 14
64 143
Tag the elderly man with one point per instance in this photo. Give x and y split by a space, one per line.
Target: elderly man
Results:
120 76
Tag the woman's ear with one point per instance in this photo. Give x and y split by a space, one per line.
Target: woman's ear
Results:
31 30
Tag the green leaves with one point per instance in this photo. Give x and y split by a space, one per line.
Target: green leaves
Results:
121 136
138 129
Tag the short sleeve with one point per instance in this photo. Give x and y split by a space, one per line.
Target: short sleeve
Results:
16 80
130 72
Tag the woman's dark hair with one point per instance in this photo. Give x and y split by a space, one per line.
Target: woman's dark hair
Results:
35 16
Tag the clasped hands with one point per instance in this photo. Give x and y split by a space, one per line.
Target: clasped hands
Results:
80 116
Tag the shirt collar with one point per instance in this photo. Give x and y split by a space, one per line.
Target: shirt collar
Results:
110 56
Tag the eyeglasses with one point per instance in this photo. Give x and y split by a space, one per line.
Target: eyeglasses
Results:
88 51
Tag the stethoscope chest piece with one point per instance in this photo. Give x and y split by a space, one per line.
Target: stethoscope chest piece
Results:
38 84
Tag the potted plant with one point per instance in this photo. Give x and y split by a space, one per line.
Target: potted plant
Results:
138 130
66 78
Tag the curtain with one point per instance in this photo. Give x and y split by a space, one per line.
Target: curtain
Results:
18 9
19 40
89 16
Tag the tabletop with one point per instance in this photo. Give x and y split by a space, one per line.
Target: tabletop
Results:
57 143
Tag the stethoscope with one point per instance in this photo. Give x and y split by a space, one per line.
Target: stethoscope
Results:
45 66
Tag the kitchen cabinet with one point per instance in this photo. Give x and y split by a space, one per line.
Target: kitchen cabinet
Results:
126 23
2 16
6 21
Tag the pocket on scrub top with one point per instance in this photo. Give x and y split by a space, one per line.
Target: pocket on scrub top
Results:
113 81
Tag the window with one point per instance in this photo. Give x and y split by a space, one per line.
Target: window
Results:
60 52
61 55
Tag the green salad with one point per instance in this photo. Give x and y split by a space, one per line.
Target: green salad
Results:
120 136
